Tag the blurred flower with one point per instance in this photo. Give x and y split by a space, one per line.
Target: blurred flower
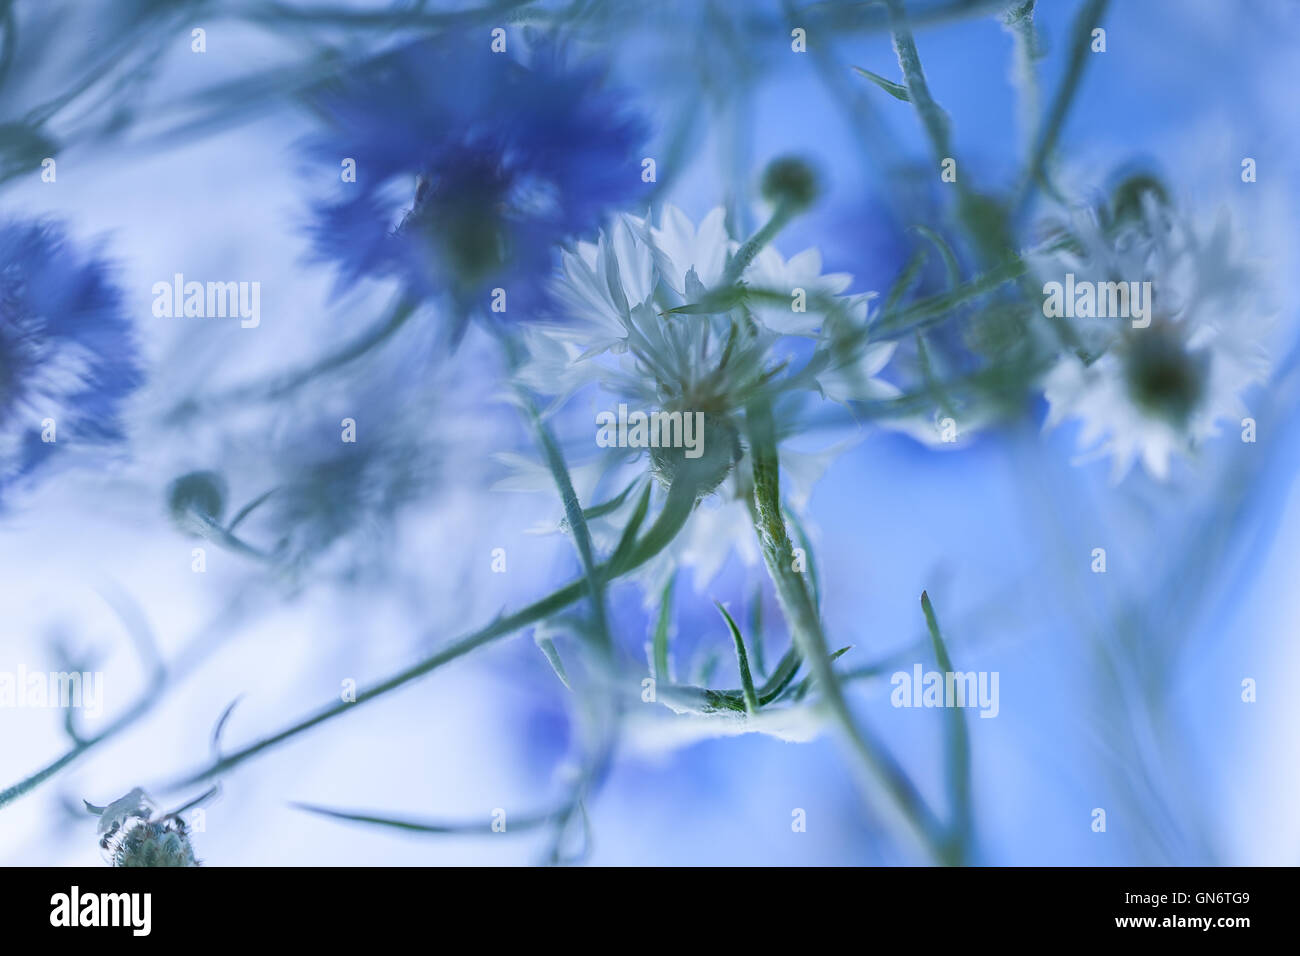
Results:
348 458
66 351
1161 389
494 163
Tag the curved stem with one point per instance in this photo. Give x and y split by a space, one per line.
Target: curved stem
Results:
287 382
161 676
805 627
573 511
677 508
1088 19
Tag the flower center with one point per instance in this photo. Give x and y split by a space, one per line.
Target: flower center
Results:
1163 378
458 212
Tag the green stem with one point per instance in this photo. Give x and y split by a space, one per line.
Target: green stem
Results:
805 626
677 508
662 625
288 382
1089 18
573 512
161 676
752 246
1019 22
984 220
909 60
957 761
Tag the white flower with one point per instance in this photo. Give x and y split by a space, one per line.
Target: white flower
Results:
1162 389
772 273
682 248
616 298
632 324
857 381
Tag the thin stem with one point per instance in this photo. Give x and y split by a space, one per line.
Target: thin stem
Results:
932 116
805 626
288 382
677 508
161 676
662 625
1089 18
957 762
985 221
752 246
1019 22
573 512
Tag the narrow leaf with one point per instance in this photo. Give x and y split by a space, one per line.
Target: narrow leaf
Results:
756 629
896 90
746 680
785 670
906 279
628 540
945 252
661 631
806 683
421 826
547 647
605 507
956 743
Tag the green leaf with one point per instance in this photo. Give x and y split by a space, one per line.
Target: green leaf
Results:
547 647
806 683
956 743
573 514
756 629
606 507
661 631
896 90
714 302
945 251
746 680
906 279
806 543
628 541
785 670
421 826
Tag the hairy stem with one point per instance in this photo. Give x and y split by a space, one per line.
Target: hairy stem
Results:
805 626
1089 18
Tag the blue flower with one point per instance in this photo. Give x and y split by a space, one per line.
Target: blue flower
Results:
67 357
470 169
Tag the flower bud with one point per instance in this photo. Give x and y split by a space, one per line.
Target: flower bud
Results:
1128 198
194 497
791 181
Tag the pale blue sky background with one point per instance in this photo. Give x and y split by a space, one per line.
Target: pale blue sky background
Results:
1000 533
